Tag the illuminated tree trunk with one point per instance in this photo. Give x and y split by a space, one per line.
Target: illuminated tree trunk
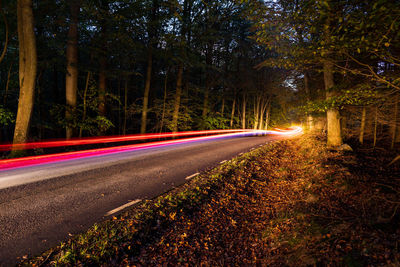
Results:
362 129
125 104
333 116
27 69
233 111
3 53
375 124
394 125
85 102
147 89
164 101
244 111
177 102
310 119
102 87
267 116
71 78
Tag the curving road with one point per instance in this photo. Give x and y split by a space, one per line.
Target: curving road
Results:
41 205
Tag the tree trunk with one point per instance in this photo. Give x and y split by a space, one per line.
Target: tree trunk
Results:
267 116
71 78
362 129
84 103
164 101
333 116
233 111
177 102
310 119
3 53
244 112
102 87
125 104
147 89
27 69
375 125
394 125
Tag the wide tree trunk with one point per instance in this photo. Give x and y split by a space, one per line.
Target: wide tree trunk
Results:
147 90
332 114
27 69
71 78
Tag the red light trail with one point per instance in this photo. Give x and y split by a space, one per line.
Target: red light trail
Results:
9 164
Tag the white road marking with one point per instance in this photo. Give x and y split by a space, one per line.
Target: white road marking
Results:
123 207
191 176
223 161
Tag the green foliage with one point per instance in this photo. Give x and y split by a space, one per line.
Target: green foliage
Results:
6 117
361 95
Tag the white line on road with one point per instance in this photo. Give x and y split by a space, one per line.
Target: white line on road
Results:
223 161
191 176
123 207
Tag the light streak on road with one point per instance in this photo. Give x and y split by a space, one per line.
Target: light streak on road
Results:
110 139
15 163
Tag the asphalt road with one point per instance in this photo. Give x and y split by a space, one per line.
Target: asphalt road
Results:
40 206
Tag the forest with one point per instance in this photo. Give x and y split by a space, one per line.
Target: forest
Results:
77 68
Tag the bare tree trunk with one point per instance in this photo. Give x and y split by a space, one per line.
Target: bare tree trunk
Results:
267 116
233 111
223 106
333 116
102 86
164 101
125 104
375 124
244 112
71 78
84 103
7 84
177 102
27 70
310 119
147 90
3 53
362 129
394 127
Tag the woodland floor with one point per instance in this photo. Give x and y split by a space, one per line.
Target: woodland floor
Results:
290 203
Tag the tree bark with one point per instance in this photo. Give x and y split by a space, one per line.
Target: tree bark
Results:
164 101
233 111
3 54
333 116
362 129
177 102
310 119
244 112
85 102
71 78
125 104
147 90
375 125
394 125
27 69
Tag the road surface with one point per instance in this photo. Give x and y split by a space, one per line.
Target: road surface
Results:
41 205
